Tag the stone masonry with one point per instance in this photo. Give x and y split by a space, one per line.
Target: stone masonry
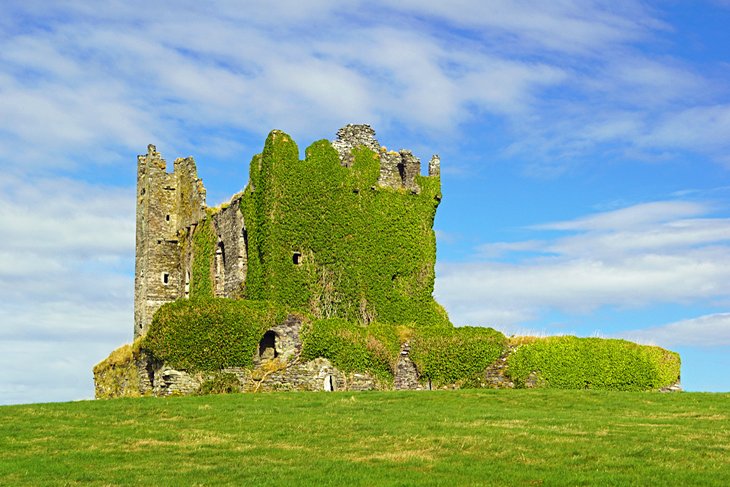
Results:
165 201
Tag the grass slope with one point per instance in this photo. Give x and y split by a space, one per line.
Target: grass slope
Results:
468 437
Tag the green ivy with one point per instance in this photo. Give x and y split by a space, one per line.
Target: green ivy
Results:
444 355
568 362
210 334
353 347
367 253
456 355
204 242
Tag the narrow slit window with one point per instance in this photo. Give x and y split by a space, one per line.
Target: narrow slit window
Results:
167 218
165 278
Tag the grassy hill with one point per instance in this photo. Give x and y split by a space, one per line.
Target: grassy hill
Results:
467 437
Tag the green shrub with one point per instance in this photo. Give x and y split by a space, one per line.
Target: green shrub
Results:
444 355
222 383
210 334
353 347
456 355
568 362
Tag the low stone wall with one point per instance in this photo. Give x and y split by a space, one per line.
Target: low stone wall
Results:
495 377
270 375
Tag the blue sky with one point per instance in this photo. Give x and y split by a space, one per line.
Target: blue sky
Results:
585 152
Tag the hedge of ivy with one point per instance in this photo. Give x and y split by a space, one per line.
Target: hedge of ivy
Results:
568 362
210 334
365 253
456 355
352 347
444 355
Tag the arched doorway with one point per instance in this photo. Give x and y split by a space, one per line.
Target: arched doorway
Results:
267 346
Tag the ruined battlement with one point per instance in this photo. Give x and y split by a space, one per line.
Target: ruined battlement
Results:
398 170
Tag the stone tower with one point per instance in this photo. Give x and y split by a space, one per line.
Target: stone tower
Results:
167 203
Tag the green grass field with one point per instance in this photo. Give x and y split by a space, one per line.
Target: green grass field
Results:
469 437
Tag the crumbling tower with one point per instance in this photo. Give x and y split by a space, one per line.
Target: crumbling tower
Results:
166 203
397 169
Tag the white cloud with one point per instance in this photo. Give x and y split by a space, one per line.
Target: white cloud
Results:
66 260
696 127
632 216
705 331
633 257
564 26
79 77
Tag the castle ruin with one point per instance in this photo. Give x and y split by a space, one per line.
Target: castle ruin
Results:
171 205
328 264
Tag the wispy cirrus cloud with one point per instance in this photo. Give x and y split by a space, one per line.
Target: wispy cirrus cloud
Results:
704 331
639 256
324 64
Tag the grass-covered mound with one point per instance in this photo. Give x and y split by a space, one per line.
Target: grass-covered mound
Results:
566 362
210 334
328 239
118 374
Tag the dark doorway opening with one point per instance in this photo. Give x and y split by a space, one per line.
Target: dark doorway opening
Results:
267 346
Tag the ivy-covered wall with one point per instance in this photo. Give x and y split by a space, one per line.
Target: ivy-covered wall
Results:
329 240
567 362
210 333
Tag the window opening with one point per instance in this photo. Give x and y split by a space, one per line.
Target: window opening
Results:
220 269
165 278
297 258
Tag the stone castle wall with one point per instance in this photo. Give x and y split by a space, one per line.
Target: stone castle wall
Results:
231 257
277 367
